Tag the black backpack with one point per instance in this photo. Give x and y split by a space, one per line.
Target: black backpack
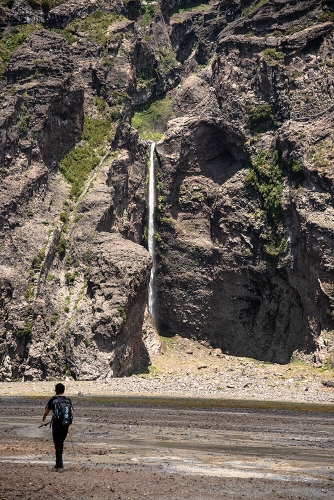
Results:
62 410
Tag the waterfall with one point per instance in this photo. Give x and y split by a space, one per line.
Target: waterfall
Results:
150 232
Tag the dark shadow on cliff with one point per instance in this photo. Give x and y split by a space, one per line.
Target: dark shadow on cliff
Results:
209 148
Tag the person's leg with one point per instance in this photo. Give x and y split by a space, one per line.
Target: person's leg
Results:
64 433
58 439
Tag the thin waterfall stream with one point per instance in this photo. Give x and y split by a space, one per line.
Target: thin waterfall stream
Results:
150 233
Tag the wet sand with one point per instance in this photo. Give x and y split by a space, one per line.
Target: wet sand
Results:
169 448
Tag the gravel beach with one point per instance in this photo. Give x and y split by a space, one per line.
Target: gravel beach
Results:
189 369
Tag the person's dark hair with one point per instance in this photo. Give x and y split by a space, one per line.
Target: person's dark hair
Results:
60 388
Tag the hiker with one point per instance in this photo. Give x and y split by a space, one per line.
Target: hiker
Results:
62 409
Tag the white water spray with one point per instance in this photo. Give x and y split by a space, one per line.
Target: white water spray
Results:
150 233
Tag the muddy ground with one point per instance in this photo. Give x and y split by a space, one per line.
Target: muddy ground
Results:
168 448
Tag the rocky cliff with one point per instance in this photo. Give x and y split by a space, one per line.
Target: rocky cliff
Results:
239 97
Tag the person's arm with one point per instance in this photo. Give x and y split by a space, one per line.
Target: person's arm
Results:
48 408
46 413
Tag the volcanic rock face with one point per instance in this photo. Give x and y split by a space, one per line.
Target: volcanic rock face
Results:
73 284
231 273
244 193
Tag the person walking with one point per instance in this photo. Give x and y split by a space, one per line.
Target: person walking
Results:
62 409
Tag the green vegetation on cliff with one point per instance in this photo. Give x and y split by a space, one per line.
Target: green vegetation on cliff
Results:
80 161
95 26
95 131
30 292
13 38
46 5
145 76
251 8
25 332
260 117
147 12
326 16
193 7
321 156
265 177
107 112
167 58
151 119
122 313
297 174
38 260
273 56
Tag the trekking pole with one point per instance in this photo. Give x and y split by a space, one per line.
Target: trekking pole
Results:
44 425
76 460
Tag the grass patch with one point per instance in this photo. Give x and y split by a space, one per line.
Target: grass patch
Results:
274 245
68 261
64 217
297 173
195 7
151 119
148 371
326 16
67 34
296 28
168 342
95 26
297 362
15 37
76 167
273 56
95 131
79 162
252 7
